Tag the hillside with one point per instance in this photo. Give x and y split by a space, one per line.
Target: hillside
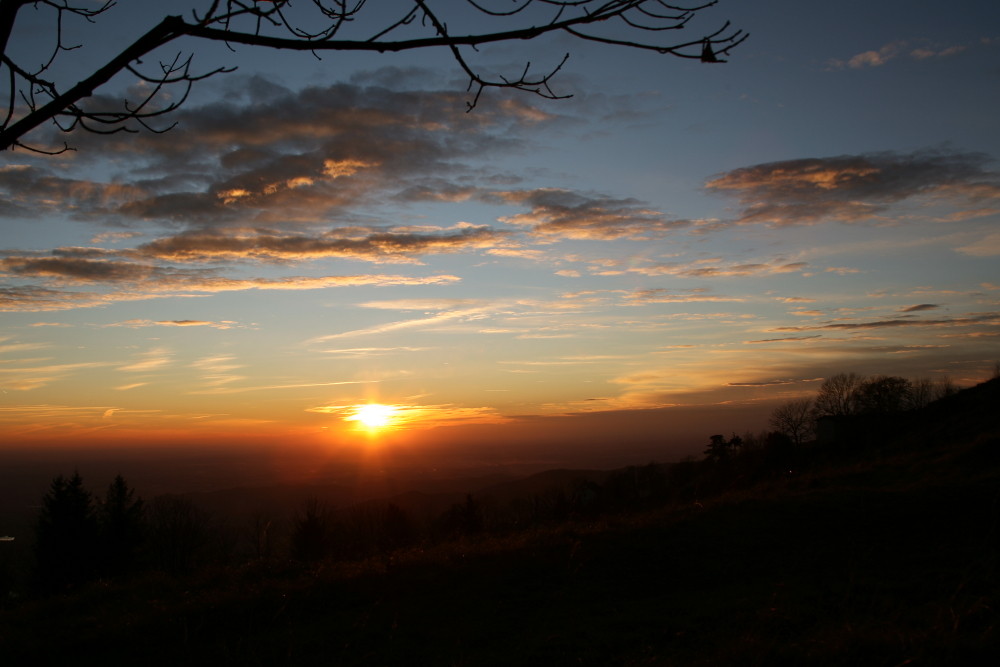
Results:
881 555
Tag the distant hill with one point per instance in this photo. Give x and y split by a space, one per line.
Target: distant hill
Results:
879 555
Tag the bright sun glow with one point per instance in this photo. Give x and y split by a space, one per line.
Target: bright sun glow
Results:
373 416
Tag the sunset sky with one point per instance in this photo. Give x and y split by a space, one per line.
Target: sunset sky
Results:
677 240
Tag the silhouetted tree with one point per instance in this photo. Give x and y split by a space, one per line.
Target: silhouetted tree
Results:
883 395
397 528
588 497
795 419
923 391
179 534
471 516
121 518
310 540
7 578
779 452
65 535
720 449
36 96
261 536
717 448
462 519
945 387
837 396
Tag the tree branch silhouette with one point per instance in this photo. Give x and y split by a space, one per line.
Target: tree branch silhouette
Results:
316 26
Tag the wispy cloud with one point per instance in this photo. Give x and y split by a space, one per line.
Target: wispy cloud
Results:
871 58
26 378
151 360
786 339
137 324
355 352
661 295
7 348
884 54
130 386
275 387
717 268
420 304
435 320
971 320
988 246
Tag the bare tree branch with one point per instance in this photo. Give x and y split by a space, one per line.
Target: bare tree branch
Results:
318 26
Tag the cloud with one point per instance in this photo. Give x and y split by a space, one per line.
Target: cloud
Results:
923 53
464 314
216 389
881 56
874 58
419 304
130 386
301 282
105 237
374 246
988 246
151 360
136 324
371 351
787 339
974 319
132 280
565 214
20 347
660 295
764 383
716 268
33 299
919 307
26 378
267 155
76 270
854 188
30 191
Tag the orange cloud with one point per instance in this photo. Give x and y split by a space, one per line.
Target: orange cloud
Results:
379 247
852 188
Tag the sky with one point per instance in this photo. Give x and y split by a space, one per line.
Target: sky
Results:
674 249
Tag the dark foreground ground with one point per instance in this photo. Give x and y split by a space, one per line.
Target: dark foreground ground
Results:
886 558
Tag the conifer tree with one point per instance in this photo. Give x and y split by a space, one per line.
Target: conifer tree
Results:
121 527
65 536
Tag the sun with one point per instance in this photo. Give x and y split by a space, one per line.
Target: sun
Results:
373 416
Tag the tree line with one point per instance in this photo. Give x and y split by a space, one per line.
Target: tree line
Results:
847 395
82 537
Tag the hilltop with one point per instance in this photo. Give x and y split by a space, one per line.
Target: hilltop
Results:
882 551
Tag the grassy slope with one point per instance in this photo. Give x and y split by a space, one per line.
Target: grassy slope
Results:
872 560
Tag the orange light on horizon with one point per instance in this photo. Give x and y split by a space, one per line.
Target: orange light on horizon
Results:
373 417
